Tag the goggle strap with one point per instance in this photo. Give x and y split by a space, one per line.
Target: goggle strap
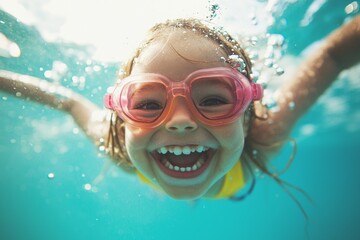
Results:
257 91
108 101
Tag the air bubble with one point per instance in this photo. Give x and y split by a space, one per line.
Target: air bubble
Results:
279 71
87 186
48 74
291 105
352 8
276 40
271 104
269 62
254 40
75 130
96 68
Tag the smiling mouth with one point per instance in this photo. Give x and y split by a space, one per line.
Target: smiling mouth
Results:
183 162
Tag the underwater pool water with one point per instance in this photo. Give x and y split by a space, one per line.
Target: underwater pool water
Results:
47 166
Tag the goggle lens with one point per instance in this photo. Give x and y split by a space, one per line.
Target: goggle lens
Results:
214 97
146 101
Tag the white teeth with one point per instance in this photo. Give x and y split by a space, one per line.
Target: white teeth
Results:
178 150
195 167
186 150
199 149
162 150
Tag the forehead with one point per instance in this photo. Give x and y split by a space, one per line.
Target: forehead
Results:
179 54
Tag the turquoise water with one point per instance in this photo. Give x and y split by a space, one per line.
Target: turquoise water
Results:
37 141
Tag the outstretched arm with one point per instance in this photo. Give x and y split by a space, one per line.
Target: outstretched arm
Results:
85 113
340 51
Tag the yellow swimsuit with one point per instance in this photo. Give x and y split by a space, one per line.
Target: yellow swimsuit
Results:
233 181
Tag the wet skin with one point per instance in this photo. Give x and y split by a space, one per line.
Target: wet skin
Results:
181 128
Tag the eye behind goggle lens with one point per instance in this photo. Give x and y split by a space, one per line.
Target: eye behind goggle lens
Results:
145 101
214 97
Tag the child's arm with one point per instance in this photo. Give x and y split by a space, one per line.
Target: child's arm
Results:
340 51
85 113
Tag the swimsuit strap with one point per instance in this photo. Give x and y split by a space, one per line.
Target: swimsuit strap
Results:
250 189
233 182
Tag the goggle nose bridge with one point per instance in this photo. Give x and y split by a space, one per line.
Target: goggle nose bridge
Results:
179 89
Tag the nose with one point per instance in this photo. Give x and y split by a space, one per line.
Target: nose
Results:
180 119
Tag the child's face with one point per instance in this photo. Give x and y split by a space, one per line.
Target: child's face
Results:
181 129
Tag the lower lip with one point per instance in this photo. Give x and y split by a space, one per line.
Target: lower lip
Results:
184 175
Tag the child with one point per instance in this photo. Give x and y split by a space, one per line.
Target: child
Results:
185 113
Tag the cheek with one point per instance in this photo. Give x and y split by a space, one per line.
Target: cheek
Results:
232 136
137 138
136 142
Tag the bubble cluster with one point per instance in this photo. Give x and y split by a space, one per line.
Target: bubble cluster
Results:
265 52
213 11
237 62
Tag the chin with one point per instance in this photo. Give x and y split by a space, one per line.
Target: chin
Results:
184 194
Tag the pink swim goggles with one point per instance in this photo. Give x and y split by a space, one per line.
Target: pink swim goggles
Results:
215 96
